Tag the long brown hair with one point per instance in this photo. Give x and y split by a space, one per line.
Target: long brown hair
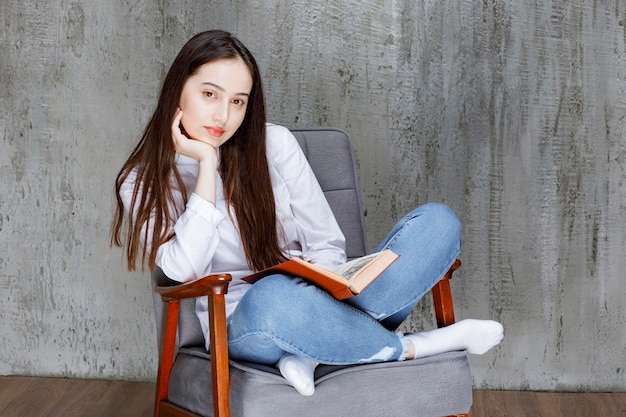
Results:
243 166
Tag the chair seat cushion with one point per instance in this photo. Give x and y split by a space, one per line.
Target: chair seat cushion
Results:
436 386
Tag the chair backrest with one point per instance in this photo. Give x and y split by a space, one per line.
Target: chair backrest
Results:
330 154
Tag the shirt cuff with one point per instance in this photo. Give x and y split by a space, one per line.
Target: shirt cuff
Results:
204 209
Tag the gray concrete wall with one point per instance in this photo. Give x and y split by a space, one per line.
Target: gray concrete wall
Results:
511 112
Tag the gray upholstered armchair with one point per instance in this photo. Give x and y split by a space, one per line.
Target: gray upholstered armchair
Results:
191 382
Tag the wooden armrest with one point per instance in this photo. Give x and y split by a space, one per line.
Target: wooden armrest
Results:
456 265
209 285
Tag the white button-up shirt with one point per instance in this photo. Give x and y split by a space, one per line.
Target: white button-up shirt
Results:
207 242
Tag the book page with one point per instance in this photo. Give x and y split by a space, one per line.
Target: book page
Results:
350 268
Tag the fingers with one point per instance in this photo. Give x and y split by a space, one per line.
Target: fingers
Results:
176 127
179 137
178 116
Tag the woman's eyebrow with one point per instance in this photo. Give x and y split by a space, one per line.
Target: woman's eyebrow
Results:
222 89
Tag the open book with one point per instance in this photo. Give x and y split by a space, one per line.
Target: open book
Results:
344 281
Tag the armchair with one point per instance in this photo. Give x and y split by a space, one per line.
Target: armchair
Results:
192 382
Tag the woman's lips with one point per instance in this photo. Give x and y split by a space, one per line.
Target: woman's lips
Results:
215 131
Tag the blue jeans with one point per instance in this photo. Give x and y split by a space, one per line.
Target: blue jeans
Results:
281 314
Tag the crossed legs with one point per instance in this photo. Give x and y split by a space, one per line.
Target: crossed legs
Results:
292 324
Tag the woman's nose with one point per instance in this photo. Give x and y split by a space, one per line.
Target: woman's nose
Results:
220 113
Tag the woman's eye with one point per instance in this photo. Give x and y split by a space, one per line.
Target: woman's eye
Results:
238 102
209 94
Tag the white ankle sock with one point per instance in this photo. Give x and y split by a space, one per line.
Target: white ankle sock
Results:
475 336
298 371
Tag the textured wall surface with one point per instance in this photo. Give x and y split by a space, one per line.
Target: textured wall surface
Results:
511 112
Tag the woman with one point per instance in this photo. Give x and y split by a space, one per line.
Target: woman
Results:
211 188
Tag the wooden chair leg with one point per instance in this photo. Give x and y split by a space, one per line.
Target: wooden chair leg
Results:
219 355
442 298
168 345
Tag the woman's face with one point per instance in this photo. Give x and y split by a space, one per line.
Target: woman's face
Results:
214 100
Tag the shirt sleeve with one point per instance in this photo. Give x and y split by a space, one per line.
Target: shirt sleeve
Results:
318 233
188 254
